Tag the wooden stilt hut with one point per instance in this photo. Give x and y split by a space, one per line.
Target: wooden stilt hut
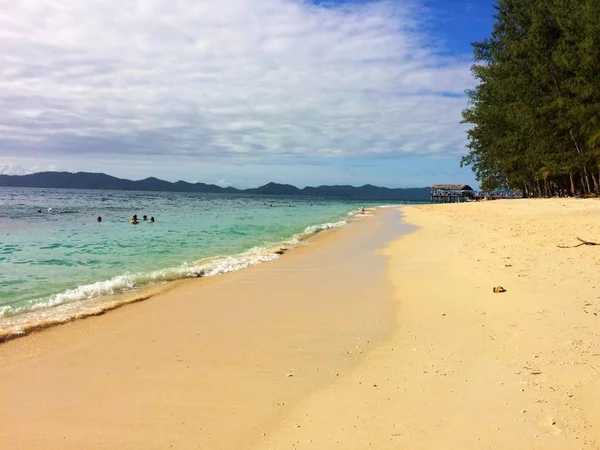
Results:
450 193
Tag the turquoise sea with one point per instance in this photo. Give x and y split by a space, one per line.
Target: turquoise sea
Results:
58 262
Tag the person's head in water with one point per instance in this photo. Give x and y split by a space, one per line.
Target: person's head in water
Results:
145 217
99 219
152 219
135 217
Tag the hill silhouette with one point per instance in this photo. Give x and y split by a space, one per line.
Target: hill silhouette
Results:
101 181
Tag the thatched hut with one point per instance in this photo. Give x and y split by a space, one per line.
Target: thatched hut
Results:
450 193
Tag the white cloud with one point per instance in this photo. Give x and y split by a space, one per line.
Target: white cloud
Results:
252 79
13 169
19 169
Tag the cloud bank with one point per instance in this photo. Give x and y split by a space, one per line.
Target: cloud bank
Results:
18 169
262 80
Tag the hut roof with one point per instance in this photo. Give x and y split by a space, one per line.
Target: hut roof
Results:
452 187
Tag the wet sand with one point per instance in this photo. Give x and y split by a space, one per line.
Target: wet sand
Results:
213 363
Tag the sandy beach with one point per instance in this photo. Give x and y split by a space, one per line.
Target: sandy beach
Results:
466 367
212 363
341 345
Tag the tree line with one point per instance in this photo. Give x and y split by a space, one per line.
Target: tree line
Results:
535 113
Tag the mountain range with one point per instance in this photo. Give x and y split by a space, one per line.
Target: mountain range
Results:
101 181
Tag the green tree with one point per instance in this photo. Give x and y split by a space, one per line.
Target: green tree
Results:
535 112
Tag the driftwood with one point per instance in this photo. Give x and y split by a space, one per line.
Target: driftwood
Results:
582 243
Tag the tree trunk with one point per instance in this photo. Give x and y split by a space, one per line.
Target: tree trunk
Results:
595 181
582 183
572 183
587 180
528 189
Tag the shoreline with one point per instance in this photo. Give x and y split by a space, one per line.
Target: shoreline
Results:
239 349
369 338
39 319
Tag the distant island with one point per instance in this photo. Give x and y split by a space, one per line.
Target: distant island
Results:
101 181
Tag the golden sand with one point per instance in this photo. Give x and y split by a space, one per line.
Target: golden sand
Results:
466 367
213 363
335 346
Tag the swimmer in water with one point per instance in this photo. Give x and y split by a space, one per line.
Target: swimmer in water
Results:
99 219
134 220
145 217
152 219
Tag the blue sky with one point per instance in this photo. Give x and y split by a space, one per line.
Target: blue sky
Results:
240 92
460 22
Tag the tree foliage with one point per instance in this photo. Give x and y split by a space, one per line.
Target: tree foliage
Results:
535 113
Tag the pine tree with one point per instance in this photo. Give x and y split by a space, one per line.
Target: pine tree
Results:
535 113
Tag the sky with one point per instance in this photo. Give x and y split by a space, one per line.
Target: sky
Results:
240 92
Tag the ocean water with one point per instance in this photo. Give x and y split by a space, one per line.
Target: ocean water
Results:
57 262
